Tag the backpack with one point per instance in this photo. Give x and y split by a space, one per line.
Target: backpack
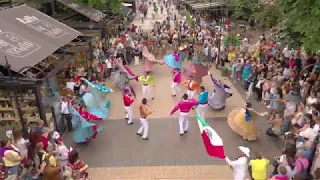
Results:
304 172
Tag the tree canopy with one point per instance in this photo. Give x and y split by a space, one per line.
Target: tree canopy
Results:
113 5
301 22
243 9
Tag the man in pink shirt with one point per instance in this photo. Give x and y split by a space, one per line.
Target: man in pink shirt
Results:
175 82
184 106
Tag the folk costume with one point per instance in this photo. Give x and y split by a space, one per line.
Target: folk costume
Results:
132 93
146 81
202 104
219 95
96 99
196 71
145 111
84 130
240 166
192 87
242 122
128 101
174 60
184 106
176 80
136 55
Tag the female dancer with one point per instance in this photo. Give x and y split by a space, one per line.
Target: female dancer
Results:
242 122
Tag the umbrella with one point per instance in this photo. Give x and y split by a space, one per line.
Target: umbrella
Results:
293 97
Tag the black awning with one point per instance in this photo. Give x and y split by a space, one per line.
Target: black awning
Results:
87 11
28 36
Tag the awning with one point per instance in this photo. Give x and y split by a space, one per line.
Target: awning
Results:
127 4
87 11
28 36
125 10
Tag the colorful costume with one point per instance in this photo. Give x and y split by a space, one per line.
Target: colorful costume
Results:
132 92
192 87
196 71
184 106
175 82
150 59
241 121
202 104
123 74
95 100
84 130
146 82
174 60
217 98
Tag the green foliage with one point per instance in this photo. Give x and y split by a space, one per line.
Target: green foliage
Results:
303 16
189 19
268 16
243 9
113 5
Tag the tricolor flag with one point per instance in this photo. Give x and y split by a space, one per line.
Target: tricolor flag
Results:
211 139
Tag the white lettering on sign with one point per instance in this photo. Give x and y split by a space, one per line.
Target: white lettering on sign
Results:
27 19
73 5
43 26
16 46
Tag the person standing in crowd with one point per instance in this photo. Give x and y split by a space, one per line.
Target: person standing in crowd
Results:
258 167
184 106
66 113
11 156
145 111
202 102
240 166
128 101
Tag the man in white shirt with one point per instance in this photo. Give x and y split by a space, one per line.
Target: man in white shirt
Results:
66 113
109 68
240 166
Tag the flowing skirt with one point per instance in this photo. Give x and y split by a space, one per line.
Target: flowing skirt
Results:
247 129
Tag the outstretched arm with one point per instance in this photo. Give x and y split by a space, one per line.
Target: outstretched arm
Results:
174 109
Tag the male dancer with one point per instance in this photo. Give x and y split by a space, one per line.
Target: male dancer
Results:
128 101
175 82
202 102
184 106
145 111
192 87
147 80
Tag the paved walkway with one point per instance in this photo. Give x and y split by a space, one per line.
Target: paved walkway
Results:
118 154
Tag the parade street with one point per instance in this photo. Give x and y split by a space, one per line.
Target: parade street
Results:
118 153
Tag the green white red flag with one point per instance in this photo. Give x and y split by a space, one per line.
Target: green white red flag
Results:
212 141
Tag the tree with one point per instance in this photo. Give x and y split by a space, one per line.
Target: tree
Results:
303 17
268 16
243 9
112 5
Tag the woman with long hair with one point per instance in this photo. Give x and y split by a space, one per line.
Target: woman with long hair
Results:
77 165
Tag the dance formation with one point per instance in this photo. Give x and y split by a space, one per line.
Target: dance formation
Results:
95 106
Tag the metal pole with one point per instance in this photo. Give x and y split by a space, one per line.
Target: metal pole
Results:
20 112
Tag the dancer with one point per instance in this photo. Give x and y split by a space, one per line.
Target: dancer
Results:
147 80
192 87
132 93
240 166
128 101
219 95
84 130
202 102
241 121
175 82
145 111
196 71
136 54
184 106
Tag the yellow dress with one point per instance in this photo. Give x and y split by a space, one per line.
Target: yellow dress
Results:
247 129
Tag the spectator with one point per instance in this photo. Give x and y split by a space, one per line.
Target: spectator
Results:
259 167
11 157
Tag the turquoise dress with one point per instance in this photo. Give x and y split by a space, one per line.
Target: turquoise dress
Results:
246 71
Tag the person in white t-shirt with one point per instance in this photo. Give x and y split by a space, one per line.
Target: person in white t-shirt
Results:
70 85
109 67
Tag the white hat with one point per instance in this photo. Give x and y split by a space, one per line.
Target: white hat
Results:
55 135
245 150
